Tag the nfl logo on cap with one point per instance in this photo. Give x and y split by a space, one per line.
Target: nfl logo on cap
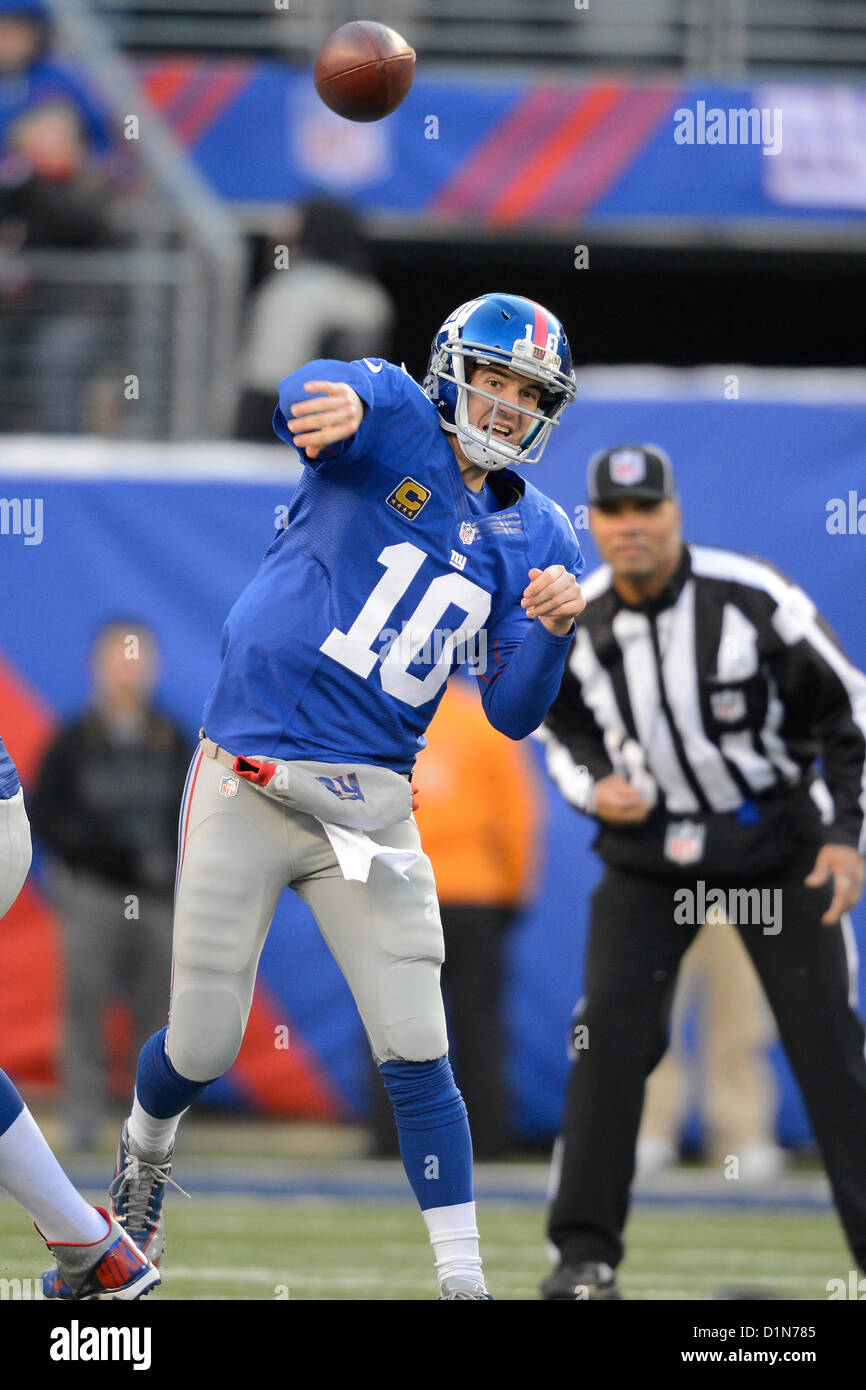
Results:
627 467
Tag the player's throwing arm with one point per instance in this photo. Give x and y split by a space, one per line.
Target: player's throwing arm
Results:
334 413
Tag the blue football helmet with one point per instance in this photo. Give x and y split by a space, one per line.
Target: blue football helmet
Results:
503 330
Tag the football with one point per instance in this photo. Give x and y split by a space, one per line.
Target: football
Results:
364 70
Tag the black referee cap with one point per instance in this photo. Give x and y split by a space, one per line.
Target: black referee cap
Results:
630 470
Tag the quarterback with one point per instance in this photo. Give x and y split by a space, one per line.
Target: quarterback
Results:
409 541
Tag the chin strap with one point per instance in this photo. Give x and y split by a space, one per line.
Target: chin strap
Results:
478 454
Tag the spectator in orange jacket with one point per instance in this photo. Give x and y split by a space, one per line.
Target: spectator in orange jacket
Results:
480 816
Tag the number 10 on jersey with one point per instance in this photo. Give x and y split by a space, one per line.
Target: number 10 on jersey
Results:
353 649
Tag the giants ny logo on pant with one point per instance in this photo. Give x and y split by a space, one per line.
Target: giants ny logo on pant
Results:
345 788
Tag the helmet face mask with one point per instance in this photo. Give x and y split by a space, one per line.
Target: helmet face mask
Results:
511 333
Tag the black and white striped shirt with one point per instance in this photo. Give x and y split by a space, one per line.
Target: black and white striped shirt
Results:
726 686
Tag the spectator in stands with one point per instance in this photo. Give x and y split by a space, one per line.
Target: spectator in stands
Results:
52 330
106 803
480 817
729 1070
30 75
324 303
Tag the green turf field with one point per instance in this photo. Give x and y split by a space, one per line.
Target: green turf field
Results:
321 1250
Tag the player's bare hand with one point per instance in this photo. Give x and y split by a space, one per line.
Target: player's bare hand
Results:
334 413
616 801
553 595
844 865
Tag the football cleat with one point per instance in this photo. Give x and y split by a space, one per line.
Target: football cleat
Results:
590 1282
463 1288
137 1194
111 1268
504 330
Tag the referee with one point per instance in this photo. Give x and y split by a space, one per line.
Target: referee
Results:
701 687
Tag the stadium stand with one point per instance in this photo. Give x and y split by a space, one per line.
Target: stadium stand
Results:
163 295
719 37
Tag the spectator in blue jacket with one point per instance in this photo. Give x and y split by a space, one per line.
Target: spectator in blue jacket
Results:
31 75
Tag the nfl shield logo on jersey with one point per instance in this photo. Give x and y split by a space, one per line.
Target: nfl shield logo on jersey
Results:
467 533
684 841
627 467
728 706
229 786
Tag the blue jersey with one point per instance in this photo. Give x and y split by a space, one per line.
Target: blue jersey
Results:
388 575
9 782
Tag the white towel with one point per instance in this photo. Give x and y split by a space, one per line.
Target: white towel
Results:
355 853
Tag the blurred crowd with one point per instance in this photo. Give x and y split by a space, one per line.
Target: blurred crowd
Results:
64 175
55 196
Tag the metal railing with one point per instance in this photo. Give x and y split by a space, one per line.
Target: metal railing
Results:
719 37
100 342
169 300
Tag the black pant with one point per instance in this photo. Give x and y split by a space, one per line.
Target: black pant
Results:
633 955
472 988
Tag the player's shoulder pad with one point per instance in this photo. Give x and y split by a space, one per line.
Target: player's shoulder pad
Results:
545 521
392 385
378 383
